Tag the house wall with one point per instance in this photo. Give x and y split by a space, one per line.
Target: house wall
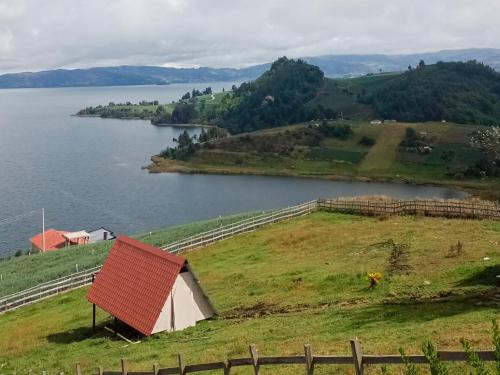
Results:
189 306
98 235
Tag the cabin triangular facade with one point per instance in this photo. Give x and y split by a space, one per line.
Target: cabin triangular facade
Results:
149 289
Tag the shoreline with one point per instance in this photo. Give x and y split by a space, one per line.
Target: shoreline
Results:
161 165
147 119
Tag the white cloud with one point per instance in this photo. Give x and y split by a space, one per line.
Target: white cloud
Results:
36 34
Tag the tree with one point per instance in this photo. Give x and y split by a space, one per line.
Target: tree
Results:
185 147
488 142
186 96
421 64
183 113
161 116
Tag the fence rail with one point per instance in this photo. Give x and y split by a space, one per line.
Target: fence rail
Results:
310 361
471 210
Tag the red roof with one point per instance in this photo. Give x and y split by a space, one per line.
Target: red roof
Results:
134 283
53 239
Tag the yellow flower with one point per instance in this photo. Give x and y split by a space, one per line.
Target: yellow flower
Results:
374 278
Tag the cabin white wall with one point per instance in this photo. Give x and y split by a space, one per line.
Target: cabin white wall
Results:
190 306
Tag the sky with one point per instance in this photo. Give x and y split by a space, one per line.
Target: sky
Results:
47 34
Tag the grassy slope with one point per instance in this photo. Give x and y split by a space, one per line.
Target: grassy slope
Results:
308 277
19 273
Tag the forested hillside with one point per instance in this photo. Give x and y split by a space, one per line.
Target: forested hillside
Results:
466 93
276 98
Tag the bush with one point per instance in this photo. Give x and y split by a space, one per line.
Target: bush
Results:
367 141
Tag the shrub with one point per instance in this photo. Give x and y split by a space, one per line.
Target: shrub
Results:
366 141
437 367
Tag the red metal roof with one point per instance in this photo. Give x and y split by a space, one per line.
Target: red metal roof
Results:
135 282
53 239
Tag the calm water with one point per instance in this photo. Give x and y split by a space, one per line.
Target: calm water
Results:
86 172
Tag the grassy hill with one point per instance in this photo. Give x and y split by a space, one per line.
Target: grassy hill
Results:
303 281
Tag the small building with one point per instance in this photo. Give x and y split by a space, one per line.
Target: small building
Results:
54 240
149 289
76 238
376 122
101 234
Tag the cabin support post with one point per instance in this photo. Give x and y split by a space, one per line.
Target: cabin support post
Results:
309 360
357 357
78 369
93 309
255 359
156 368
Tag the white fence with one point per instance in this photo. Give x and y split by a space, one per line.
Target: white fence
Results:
47 289
77 280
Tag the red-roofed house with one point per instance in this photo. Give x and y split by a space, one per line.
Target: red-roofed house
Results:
57 239
54 239
149 289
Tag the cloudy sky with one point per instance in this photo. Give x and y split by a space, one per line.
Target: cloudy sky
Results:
46 34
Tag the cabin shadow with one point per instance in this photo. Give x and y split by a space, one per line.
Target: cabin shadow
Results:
109 329
78 334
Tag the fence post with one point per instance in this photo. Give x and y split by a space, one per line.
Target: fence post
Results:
182 368
255 359
357 357
124 366
227 367
309 360
78 369
155 368
99 370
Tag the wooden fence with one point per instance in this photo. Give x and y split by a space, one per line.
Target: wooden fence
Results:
84 278
361 207
357 360
467 210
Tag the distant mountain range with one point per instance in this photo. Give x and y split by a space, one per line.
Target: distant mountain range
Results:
331 65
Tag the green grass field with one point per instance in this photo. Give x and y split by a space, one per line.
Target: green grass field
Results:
303 281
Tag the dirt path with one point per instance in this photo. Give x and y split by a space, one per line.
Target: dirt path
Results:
384 152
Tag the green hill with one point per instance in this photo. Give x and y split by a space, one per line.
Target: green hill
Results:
302 281
465 93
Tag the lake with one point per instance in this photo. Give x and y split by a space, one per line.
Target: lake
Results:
86 172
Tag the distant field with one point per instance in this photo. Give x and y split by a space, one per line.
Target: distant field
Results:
303 281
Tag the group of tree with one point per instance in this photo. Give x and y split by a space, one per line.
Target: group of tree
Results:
488 143
278 97
462 92
185 146
195 92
